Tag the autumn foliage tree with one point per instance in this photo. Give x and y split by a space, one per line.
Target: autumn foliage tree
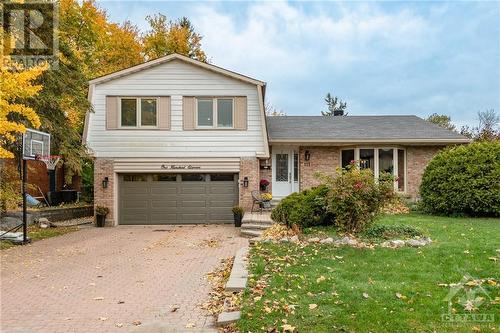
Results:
17 83
166 37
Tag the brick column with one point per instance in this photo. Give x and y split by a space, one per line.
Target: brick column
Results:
417 159
104 196
249 167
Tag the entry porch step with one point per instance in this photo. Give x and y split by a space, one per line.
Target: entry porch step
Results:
251 232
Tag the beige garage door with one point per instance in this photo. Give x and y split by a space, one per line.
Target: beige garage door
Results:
177 198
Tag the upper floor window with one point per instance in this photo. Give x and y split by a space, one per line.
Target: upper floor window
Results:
214 113
138 112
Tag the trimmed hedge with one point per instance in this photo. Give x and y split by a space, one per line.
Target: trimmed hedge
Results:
304 209
463 180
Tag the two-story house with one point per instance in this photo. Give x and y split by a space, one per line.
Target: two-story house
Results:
176 140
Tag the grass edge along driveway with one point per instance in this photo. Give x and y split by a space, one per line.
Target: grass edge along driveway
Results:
320 288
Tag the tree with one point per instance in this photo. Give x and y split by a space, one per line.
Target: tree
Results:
441 120
488 128
336 107
167 37
272 111
17 83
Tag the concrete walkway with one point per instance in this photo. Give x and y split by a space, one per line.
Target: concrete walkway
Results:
104 280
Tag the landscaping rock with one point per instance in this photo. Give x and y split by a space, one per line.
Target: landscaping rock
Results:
328 240
427 240
228 317
415 242
284 240
352 242
314 240
397 243
385 244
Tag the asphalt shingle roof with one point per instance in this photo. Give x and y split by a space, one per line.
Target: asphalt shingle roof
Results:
356 128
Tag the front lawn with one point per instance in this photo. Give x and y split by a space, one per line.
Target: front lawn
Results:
321 288
36 233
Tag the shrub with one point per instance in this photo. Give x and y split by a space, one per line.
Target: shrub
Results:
238 210
463 180
392 231
101 210
304 209
355 198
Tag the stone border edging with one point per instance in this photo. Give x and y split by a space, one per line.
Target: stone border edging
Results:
237 282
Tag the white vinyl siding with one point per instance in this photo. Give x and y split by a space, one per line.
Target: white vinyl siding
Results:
176 79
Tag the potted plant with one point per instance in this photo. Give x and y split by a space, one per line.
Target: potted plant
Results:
100 213
266 200
238 215
264 183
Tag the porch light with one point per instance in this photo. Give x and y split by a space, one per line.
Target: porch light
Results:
307 155
105 182
245 182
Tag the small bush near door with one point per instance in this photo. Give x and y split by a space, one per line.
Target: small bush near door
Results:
304 209
463 180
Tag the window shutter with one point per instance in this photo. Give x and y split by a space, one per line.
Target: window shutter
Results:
188 109
164 113
240 113
112 116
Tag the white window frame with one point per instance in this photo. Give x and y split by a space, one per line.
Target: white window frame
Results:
138 112
214 113
376 169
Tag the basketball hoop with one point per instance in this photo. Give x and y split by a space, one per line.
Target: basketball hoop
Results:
50 161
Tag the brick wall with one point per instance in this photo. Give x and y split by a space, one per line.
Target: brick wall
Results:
104 196
417 159
266 173
249 167
323 159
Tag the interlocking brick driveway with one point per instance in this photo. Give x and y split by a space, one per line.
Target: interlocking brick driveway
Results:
95 279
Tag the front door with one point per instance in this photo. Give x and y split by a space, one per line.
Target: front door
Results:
285 172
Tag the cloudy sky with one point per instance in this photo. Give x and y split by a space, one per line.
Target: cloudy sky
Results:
380 57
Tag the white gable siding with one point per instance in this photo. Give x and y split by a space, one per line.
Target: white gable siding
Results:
175 79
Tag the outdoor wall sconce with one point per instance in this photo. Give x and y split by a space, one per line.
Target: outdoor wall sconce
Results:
307 155
105 182
245 182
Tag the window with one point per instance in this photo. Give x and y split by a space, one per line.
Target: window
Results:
135 178
148 112
367 159
401 170
385 161
205 113
222 177
295 167
193 177
215 113
347 157
281 167
164 178
138 112
129 112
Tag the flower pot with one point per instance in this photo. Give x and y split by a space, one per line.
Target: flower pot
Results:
237 220
100 221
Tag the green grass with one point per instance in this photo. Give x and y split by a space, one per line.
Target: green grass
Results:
461 246
35 233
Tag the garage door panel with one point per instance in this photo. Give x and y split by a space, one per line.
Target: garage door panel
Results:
178 199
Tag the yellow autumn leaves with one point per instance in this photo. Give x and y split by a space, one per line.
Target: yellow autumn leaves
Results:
16 83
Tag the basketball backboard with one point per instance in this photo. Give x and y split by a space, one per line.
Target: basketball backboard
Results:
35 143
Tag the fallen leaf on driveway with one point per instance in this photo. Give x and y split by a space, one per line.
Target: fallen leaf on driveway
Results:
103 318
313 306
190 325
174 308
119 325
121 302
98 298
136 322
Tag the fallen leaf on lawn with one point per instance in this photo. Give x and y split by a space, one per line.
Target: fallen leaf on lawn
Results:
313 306
257 298
320 279
103 318
268 309
136 322
190 325
365 295
288 328
400 296
98 298
476 329
493 258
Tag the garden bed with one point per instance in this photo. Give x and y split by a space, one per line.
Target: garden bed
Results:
53 214
320 288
